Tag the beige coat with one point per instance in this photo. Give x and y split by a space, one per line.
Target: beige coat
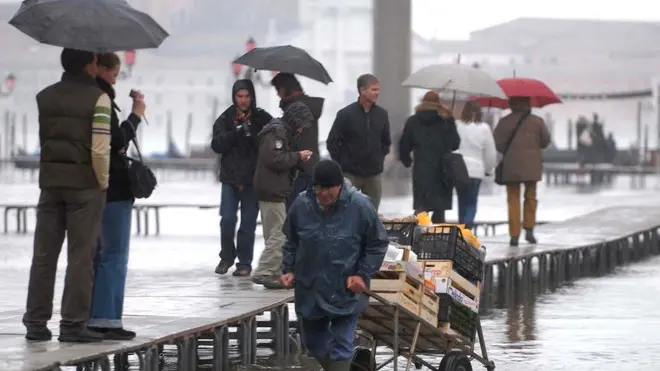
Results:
522 162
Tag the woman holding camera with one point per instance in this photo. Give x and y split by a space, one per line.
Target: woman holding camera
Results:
111 261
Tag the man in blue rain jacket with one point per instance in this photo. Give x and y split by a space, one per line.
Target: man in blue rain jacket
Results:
335 243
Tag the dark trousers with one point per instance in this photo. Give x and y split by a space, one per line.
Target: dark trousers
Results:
231 199
76 213
467 202
300 184
329 338
111 265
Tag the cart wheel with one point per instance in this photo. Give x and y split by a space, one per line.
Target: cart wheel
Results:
363 360
455 361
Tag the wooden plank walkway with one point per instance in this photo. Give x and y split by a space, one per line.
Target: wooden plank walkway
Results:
593 228
159 312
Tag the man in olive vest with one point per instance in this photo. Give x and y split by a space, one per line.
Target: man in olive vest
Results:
74 133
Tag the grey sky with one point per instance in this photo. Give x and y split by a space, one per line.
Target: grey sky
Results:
455 19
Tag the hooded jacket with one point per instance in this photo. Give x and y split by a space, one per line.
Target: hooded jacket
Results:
309 138
236 142
278 157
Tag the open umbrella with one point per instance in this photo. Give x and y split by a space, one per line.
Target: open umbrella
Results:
539 93
285 58
455 77
97 26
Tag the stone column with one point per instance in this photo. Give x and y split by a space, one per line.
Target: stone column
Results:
391 64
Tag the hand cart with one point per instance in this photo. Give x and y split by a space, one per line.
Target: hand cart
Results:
408 335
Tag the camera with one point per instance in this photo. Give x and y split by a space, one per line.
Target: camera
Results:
133 94
245 126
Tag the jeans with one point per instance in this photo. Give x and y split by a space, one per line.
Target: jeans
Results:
300 184
329 337
110 266
229 203
467 202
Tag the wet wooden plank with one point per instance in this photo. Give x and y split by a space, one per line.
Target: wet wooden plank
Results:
156 319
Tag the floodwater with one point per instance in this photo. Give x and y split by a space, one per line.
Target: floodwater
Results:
606 324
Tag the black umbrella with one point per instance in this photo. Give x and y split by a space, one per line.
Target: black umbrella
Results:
93 25
285 58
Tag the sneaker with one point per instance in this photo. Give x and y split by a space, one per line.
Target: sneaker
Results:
39 334
83 335
241 272
222 268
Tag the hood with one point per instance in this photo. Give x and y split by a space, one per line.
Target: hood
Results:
273 125
429 117
297 115
244 84
315 104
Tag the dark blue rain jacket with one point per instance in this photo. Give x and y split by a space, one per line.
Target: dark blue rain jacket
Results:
324 248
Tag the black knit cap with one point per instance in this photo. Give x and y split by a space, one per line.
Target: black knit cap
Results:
327 173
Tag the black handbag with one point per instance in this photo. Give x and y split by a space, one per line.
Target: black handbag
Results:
456 169
142 180
499 170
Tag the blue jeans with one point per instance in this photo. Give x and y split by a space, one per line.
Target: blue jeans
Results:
300 184
110 266
230 200
329 337
467 202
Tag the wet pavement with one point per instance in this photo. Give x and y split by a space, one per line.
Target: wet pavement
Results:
604 324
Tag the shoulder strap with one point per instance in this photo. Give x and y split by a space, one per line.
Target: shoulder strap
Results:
515 131
134 140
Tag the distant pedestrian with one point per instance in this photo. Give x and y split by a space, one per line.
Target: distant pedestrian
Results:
74 132
480 156
111 262
289 90
522 163
335 242
430 135
276 168
235 138
360 139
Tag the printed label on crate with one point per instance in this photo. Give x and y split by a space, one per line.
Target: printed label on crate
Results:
437 269
443 286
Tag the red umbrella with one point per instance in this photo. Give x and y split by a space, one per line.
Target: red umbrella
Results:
539 93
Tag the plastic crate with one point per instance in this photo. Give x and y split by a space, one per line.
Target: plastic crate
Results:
447 243
402 233
460 318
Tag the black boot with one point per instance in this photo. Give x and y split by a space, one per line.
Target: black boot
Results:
39 334
529 235
514 241
82 335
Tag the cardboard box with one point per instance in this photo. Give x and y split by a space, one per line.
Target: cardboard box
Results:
443 285
412 269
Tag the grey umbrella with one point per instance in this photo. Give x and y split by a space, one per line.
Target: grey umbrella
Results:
285 58
93 25
455 77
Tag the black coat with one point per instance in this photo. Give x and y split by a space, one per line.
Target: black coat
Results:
430 137
359 140
119 185
238 151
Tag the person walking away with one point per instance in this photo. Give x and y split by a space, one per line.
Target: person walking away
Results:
431 135
335 242
276 166
289 90
480 156
235 140
74 133
111 261
522 163
360 139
